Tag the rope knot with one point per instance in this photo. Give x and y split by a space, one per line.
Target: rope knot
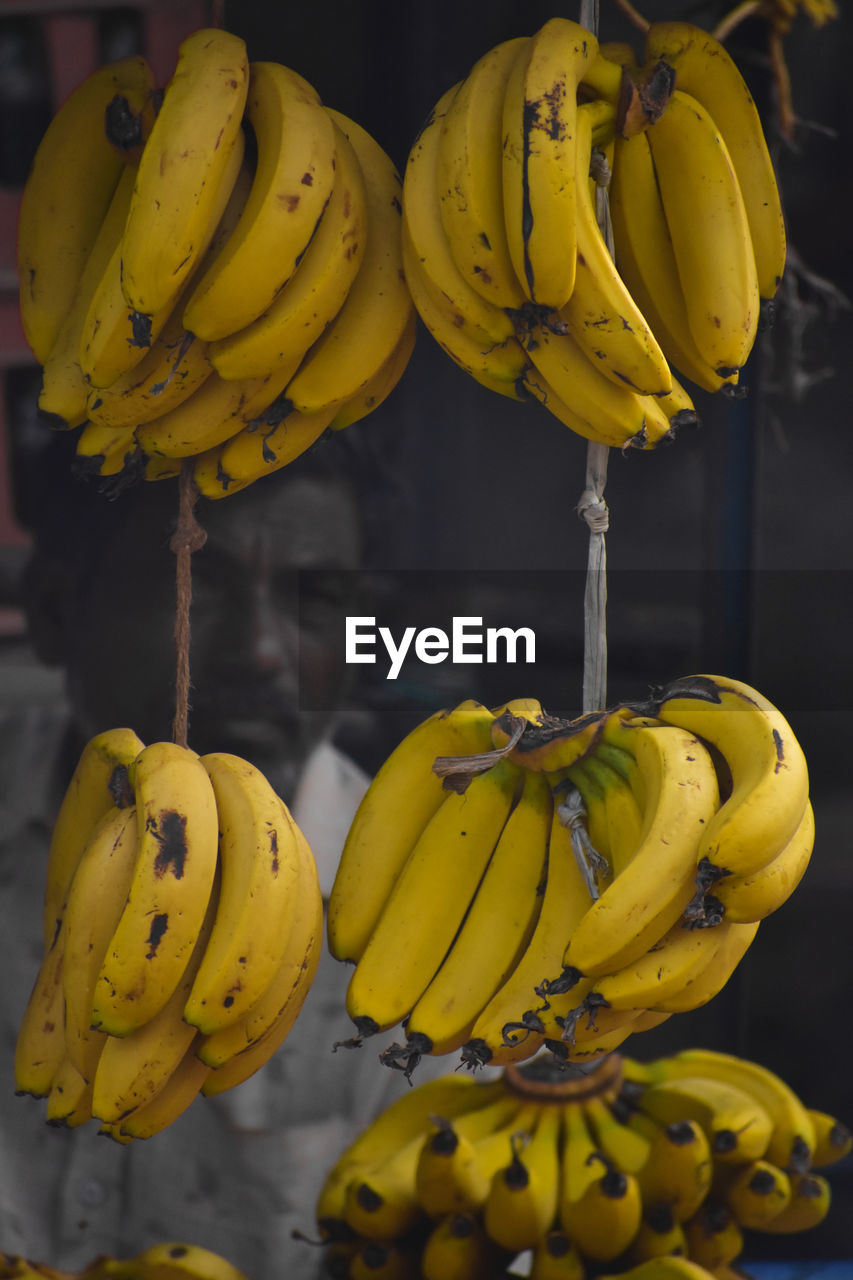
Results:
594 510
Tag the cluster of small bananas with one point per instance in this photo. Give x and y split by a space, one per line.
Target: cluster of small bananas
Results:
171 1260
223 278
183 924
504 252
641 1169
513 880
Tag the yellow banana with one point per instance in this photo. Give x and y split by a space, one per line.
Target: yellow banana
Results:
756 1193
626 1148
173 1260
378 306
770 783
99 780
259 861
659 1235
679 1168
469 177
429 899
257 450
451 1175
169 1102
482 320
664 1269
93 908
605 1219
495 931
680 796
69 1102
704 69
710 233
458 1248
646 260
169 891
40 1041
538 173
713 1235
737 1126
313 295
556 1258
379 1260
811 1196
832 1139
239 1050
293 183
59 221
402 797
668 969
547 744
708 980
601 314
380 1201
182 168
623 815
381 384
756 895
524 1195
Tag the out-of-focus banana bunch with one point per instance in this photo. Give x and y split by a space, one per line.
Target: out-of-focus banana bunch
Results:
503 242
513 880
171 1260
183 924
649 1170
212 270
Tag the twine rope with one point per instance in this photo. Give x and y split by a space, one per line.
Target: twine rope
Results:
188 537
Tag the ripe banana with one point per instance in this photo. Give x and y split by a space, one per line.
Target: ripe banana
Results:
402 797
714 1237
736 1125
755 896
704 69
457 1160
293 183
169 1102
605 1219
811 1196
169 892
380 1201
378 306
668 969
173 1260
665 1269
769 772
626 1148
556 1258
59 221
40 1042
710 234
524 1195
538 159
182 168
496 928
709 980
756 1193
659 1235
458 1248
680 796
429 899
679 1168
257 450
381 384
833 1140
69 1102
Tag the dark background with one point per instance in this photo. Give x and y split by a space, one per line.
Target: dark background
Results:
728 552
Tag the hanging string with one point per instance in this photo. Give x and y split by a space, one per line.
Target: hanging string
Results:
187 538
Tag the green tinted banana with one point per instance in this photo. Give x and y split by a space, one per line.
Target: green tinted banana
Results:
626 1148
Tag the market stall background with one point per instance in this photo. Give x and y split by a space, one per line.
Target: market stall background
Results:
730 551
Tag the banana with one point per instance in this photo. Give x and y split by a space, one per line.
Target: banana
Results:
293 183
659 1235
770 783
238 1050
380 1260
679 1168
495 930
378 306
678 406
402 797
605 1219
131 1070
710 979
407 1117
458 1248
601 314
99 781
498 365
623 815
59 221
710 234
524 1195
626 1148
182 169
381 384
450 1174
169 1102
313 295
173 1260
792 1140
93 908
714 1237
69 1102
510 1028
64 390
539 159
556 1258
811 1196
756 1193
469 177
832 1139
737 1126
755 896
481 319
259 861
257 450
664 1269
704 69
547 744
645 260
380 1201
169 891
581 1162
680 796
40 1042
115 337
429 899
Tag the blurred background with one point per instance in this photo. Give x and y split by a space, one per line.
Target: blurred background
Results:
730 551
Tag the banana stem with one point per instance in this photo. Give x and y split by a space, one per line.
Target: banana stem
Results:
734 17
633 15
187 538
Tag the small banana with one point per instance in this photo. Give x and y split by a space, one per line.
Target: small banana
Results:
714 1237
555 1257
455 1165
736 1125
811 1196
168 1103
69 1102
679 1168
380 1201
659 1235
524 1195
173 1260
257 450
756 1193
833 1140
458 1247
605 1219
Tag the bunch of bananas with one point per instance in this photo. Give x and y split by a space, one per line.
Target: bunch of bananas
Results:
223 280
513 880
503 244
182 930
171 1260
615 1170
